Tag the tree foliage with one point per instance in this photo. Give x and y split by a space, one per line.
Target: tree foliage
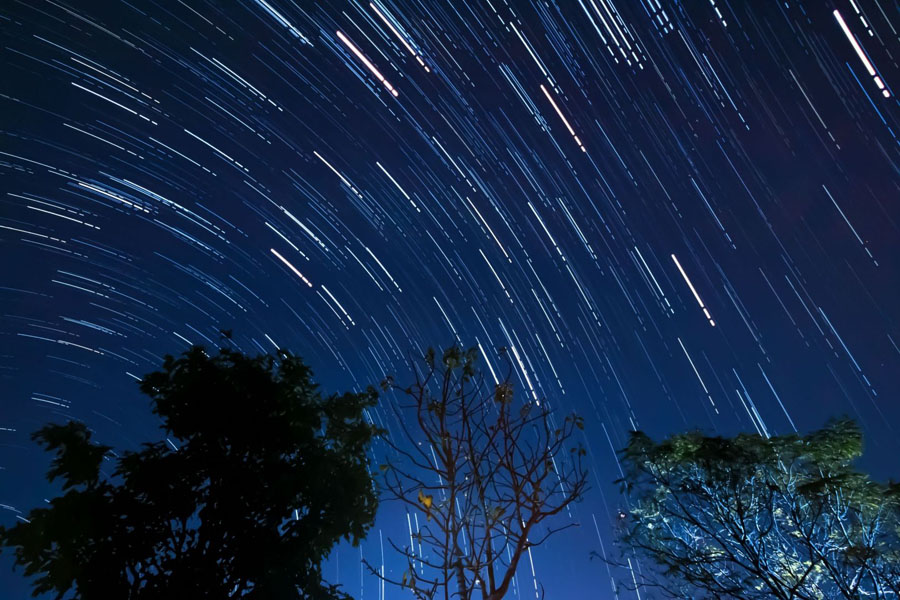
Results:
752 517
484 471
267 476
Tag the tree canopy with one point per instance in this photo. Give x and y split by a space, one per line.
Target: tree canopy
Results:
751 517
261 476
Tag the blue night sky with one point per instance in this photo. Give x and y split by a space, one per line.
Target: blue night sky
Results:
675 214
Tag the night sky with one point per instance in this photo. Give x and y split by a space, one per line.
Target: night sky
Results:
674 214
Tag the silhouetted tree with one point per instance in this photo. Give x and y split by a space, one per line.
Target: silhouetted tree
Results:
263 477
753 518
484 471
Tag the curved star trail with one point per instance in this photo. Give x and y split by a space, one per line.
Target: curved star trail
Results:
674 214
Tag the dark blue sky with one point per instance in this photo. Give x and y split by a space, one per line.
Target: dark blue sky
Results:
677 214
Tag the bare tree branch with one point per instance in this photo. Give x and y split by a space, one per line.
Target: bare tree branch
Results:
485 471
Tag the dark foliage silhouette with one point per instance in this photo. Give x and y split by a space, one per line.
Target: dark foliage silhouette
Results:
263 476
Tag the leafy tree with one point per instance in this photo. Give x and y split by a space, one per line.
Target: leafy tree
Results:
752 517
263 477
484 471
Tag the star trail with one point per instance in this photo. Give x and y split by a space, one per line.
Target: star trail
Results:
674 214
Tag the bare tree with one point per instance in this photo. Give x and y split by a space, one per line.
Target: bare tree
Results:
485 471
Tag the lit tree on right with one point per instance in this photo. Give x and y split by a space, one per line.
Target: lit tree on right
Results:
751 517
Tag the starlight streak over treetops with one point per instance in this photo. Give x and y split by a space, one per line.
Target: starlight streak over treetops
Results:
669 215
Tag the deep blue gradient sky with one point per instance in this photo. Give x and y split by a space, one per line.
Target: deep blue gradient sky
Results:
677 214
